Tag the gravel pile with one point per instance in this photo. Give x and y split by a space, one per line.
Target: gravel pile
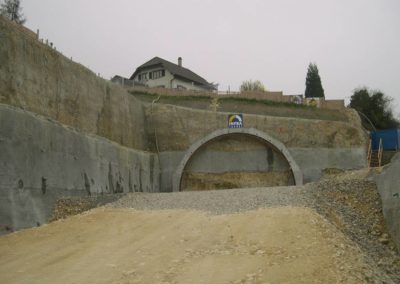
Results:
216 201
354 207
349 201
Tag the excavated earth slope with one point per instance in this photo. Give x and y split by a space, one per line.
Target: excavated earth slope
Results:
327 232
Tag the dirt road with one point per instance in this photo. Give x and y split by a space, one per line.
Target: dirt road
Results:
115 245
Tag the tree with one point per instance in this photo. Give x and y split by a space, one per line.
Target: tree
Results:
11 9
313 83
376 106
248 86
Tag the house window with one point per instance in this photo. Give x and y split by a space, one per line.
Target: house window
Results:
180 87
157 74
142 77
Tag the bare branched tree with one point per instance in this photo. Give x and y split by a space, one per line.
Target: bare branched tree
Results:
248 86
12 10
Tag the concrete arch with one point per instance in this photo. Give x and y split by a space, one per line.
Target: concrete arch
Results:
177 177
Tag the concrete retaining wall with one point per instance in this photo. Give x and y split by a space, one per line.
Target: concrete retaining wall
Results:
388 183
42 160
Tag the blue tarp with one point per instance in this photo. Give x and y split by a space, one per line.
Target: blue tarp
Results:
390 139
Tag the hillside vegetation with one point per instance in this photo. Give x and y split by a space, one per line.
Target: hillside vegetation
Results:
243 105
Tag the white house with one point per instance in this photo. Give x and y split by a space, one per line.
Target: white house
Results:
161 73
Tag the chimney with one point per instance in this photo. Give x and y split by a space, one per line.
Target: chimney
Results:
180 61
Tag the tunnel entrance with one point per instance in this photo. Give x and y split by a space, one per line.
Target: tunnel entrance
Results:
233 158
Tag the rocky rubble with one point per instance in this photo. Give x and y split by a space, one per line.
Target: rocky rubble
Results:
354 206
70 206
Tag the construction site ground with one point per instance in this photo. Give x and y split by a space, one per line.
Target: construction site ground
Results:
327 232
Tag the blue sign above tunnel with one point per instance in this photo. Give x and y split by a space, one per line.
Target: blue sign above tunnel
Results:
235 121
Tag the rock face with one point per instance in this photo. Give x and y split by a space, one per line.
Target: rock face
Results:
388 183
39 79
179 127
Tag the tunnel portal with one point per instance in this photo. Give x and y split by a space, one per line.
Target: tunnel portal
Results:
235 159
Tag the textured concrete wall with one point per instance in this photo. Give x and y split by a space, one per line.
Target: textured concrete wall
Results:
388 183
39 79
42 160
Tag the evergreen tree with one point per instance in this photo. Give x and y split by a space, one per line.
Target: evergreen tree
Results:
11 9
313 83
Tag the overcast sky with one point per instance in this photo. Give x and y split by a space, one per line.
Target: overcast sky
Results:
355 43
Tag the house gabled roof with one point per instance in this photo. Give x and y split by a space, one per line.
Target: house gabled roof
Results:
175 69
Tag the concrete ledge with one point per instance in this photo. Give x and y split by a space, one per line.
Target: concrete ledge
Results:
279 146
